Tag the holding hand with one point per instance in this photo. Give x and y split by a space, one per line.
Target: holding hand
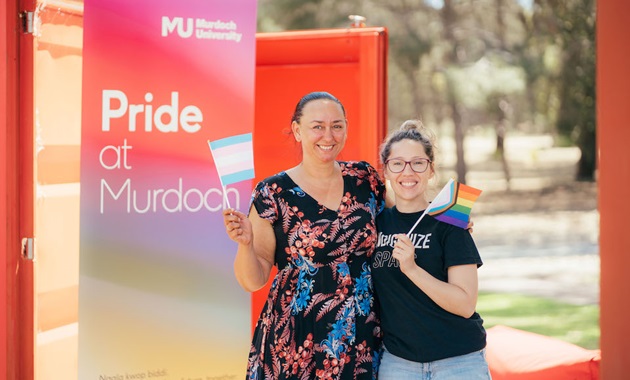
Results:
405 253
237 226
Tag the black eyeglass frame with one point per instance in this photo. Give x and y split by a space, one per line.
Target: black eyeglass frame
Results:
428 163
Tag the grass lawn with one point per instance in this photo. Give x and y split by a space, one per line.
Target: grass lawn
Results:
575 324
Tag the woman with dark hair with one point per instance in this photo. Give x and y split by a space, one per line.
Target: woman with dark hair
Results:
316 223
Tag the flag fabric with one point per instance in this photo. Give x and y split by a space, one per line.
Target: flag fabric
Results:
453 203
233 158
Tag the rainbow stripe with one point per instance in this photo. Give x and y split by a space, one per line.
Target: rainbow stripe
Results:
234 158
454 203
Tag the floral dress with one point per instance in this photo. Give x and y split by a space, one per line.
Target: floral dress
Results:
319 319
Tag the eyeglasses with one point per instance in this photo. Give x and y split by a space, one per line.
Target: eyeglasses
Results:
418 165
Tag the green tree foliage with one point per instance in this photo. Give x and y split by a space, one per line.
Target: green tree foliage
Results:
457 64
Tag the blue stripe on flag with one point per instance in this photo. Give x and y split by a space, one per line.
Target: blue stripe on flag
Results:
231 141
237 177
456 214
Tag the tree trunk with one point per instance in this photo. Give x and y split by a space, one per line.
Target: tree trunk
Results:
500 128
459 140
449 19
588 160
501 131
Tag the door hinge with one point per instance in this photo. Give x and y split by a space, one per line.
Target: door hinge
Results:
28 251
27 21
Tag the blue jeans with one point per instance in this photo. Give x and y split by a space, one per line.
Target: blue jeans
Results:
465 367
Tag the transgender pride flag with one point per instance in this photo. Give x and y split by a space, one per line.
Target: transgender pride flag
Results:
452 205
234 158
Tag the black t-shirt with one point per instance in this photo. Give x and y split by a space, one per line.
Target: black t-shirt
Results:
414 326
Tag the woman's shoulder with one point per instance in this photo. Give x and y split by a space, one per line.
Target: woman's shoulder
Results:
448 230
280 176
275 181
360 164
366 178
356 167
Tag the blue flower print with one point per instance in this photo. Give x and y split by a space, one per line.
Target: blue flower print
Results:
304 286
341 334
363 291
297 191
373 206
343 269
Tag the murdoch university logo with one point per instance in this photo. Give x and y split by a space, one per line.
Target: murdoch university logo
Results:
201 28
184 27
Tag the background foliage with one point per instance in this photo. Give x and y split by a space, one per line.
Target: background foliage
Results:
510 66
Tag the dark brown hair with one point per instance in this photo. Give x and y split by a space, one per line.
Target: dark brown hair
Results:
299 108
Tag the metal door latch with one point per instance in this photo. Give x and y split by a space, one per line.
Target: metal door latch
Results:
28 251
27 22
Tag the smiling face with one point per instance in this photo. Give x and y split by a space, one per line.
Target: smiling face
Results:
322 130
408 185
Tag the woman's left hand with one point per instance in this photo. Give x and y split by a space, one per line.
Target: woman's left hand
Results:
405 253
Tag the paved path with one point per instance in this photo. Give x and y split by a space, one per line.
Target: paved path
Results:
550 254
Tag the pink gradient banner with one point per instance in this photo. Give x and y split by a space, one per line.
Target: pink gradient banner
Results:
157 294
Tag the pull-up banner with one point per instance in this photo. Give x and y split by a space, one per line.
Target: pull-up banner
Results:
157 294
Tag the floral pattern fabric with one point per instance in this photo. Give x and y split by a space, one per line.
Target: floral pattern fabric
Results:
319 319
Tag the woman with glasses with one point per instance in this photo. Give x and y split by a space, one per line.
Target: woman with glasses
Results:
425 280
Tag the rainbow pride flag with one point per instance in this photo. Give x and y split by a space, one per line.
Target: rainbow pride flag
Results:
234 158
452 205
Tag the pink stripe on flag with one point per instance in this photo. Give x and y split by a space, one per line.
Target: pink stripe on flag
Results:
233 149
236 167
223 160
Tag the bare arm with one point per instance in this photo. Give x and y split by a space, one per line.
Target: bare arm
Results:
457 296
253 262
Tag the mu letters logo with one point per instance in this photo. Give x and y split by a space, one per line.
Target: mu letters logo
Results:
184 27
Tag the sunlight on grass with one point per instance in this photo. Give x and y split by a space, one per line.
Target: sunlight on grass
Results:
575 324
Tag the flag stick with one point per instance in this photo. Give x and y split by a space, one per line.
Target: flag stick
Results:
418 221
227 201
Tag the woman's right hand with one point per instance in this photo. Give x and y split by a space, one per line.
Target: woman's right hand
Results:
237 226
